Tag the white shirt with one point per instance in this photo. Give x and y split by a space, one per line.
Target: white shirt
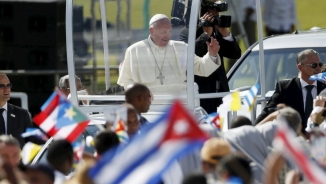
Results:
309 122
304 91
59 177
240 10
4 114
280 14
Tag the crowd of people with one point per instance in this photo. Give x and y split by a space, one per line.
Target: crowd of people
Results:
157 65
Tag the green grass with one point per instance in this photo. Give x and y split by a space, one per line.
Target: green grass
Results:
309 14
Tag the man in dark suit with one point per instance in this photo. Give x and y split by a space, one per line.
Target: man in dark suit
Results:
217 81
298 92
13 120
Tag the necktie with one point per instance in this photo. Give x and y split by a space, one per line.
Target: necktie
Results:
2 123
309 101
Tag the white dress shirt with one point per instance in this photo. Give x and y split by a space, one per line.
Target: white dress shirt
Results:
4 114
304 91
280 14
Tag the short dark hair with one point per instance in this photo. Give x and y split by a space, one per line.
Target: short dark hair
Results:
302 56
105 140
240 121
133 91
236 166
59 152
47 170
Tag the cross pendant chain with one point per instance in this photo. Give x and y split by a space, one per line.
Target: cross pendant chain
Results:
161 77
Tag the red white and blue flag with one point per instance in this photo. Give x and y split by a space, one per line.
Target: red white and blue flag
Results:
151 153
214 120
60 119
286 142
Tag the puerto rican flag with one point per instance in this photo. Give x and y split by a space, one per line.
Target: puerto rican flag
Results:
151 153
57 110
286 142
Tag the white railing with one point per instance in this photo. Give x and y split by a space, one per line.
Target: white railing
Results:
22 96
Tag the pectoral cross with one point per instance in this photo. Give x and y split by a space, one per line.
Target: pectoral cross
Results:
161 77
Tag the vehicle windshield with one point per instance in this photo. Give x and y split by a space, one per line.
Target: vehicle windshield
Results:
279 64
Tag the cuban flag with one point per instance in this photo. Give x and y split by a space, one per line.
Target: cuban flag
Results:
320 77
78 148
250 96
174 134
34 132
287 143
214 120
60 119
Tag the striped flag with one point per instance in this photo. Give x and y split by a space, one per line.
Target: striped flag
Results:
78 148
55 110
215 120
250 96
320 77
287 143
34 132
174 134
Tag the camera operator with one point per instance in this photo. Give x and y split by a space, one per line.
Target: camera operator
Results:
213 25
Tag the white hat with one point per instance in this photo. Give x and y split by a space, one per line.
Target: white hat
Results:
157 17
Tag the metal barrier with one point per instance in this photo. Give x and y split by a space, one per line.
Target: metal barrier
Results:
22 96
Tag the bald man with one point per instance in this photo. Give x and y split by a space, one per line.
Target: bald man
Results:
140 97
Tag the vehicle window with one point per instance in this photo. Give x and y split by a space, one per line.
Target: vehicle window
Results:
279 64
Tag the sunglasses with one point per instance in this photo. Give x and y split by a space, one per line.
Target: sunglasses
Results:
3 86
314 65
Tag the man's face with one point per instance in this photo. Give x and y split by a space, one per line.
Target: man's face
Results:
79 87
147 99
132 123
38 177
4 89
10 154
307 69
161 32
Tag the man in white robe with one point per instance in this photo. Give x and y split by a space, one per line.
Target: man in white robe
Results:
160 63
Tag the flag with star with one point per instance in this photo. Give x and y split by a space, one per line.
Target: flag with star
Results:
174 134
60 119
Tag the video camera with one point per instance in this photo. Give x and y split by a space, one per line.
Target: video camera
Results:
218 6
220 21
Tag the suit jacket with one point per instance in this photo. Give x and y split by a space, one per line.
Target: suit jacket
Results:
18 120
208 84
288 92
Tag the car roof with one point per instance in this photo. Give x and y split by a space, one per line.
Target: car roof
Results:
301 39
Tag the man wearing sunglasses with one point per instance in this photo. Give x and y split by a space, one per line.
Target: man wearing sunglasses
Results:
13 120
298 92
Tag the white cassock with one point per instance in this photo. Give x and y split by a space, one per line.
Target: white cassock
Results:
140 66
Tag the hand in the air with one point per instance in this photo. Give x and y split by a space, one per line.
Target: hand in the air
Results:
213 47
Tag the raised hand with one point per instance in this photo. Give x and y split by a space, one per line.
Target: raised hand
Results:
213 47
